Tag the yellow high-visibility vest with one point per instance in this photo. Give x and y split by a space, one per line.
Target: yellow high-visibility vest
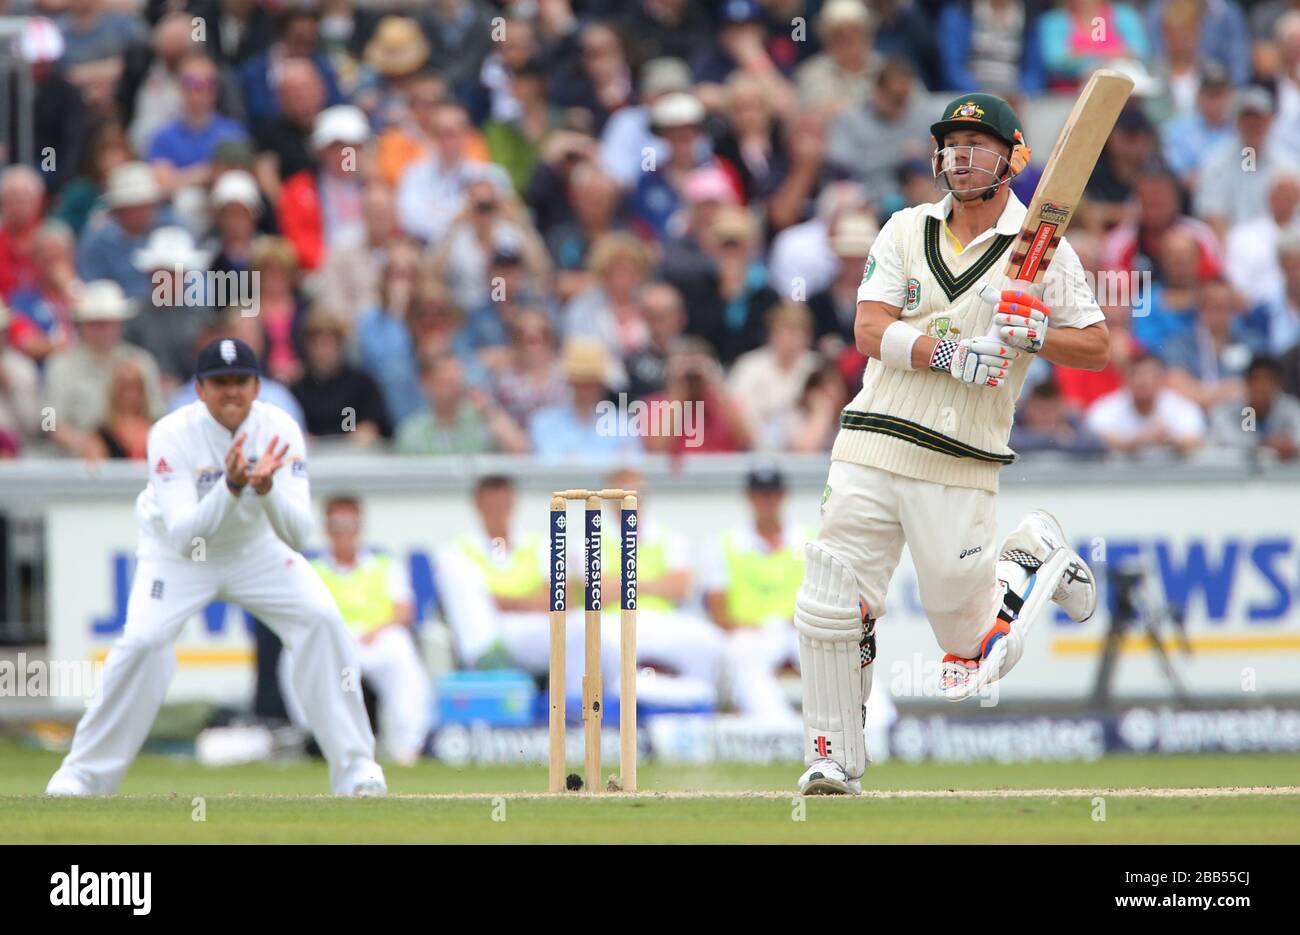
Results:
362 593
519 575
762 585
651 563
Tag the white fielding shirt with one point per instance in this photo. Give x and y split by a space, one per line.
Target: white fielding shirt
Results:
186 505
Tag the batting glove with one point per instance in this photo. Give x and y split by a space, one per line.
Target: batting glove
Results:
978 361
1021 320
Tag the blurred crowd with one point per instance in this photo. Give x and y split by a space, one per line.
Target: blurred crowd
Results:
456 226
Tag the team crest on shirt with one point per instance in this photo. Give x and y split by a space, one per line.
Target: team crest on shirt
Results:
298 467
941 327
870 268
913 293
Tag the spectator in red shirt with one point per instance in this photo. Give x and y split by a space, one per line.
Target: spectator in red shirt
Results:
694 378
21 195
1136 245
322 209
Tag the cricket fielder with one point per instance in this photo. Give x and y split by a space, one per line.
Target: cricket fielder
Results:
919 448
219 524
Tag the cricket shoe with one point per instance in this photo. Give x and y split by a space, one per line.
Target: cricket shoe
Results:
64 783
826 777
367 781
370 789
1076 594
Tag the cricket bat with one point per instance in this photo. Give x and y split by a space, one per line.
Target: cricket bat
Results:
1064 176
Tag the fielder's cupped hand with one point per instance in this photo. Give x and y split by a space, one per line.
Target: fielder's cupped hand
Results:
237 464
1021 320
270 462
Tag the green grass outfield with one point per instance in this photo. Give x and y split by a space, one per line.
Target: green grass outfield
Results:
1228 798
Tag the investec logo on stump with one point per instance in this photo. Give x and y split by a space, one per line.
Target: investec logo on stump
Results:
103 889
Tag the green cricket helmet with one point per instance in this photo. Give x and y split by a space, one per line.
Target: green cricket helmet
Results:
989 114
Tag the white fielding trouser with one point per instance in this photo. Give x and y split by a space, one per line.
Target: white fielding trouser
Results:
949 532
269 581
391 666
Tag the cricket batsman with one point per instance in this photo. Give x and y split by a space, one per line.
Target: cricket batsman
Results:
218 521
917 457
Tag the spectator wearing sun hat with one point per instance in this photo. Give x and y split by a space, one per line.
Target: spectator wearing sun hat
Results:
322 209
678 118
60 121
236 206
839 76
77 378
627 135
394 56
169 323
135 208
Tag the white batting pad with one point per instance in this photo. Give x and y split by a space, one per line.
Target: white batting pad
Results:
835 683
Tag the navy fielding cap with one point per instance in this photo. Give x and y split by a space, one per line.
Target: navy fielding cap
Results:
226 356
765 478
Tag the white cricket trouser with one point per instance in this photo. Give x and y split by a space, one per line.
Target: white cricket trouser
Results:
949 531
391 666
689 645
269 581
754 655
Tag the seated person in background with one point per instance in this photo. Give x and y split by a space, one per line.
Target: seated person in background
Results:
374 596
835 307
124 433
815 421
1186 138
768 382
574 429
1046 423
704 416
1082 35
1283 308
1145 415
336 397
991 45
77 378
1137 244
668 636
1252 247
534 378
1169 308
1264 417
20 395
750 582
1081 388
1229 190
493 585
456 420
171 319
1206 363
664 314
181 151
